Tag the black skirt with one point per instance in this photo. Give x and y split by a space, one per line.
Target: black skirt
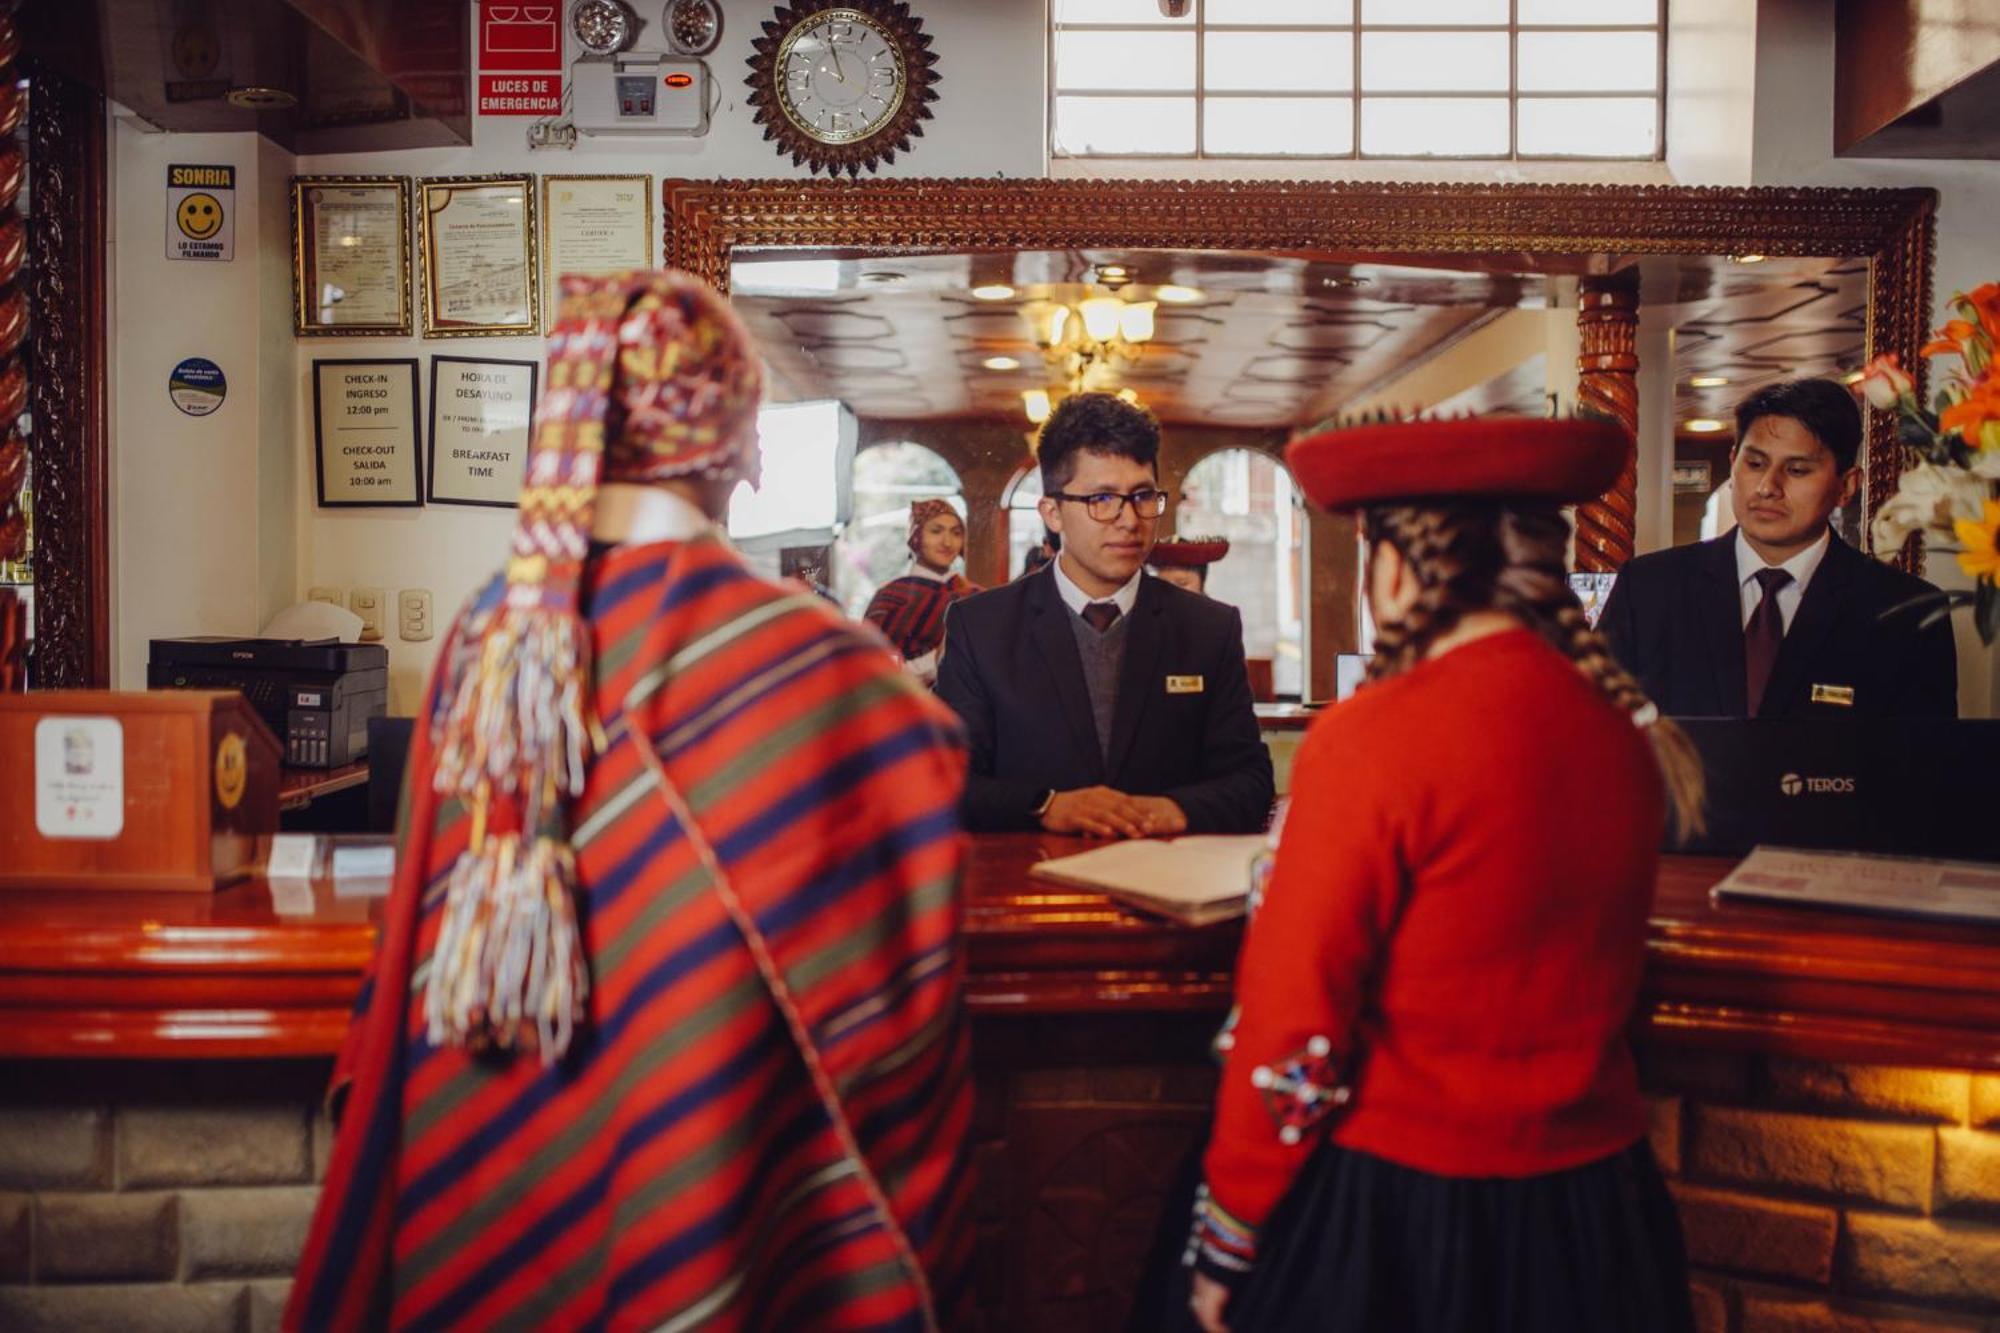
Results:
1364 1244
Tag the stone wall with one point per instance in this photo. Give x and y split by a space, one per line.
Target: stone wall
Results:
140 1198
1823 1198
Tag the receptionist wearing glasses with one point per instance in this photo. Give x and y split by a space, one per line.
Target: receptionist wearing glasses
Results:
1099 700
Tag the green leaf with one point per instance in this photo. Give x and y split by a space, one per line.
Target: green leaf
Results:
1986 611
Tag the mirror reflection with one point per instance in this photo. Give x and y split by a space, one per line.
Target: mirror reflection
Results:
913 377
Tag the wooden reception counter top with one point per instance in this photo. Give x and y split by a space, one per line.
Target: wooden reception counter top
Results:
249 972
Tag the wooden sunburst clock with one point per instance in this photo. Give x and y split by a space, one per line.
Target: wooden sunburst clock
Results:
842 87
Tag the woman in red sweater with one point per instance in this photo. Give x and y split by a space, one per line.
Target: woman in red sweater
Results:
1429 1117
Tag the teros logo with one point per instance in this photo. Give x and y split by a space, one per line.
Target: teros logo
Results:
1793 784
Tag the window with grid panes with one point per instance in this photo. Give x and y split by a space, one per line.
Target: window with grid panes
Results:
1512 79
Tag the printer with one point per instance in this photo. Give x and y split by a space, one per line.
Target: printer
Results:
316 695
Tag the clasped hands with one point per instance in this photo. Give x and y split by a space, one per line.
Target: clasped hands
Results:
1106 812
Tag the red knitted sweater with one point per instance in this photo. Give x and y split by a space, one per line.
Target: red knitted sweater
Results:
1454 930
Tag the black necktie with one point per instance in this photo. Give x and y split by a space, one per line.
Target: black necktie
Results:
1100 615
1762 636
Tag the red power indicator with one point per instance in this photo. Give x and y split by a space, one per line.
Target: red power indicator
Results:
679 80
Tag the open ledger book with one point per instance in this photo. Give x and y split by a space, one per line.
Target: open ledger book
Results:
1195 879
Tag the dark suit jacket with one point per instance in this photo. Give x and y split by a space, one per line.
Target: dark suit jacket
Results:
1675 619
1012 672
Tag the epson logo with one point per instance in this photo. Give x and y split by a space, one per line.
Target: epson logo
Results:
243 657
1792 784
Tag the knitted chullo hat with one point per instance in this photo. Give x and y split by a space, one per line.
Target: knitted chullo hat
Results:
922 512
651 378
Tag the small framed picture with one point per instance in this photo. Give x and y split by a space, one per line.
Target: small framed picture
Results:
480 264
365 447
350 256
593 225
481 415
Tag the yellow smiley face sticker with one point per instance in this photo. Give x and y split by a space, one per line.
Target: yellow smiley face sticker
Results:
232 770
199 217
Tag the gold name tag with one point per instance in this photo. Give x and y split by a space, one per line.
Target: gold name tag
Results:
1842 695
1183 684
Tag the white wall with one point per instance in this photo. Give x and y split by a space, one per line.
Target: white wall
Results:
204 518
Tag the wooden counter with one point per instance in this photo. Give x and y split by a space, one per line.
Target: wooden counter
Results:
244 973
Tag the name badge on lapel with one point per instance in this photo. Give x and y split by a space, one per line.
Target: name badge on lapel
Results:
1183 684
1839 695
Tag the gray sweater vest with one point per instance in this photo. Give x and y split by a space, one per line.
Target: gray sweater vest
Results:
1102 655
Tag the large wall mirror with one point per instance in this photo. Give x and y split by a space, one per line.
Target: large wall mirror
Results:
947 316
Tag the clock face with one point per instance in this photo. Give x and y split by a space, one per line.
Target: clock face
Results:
840 76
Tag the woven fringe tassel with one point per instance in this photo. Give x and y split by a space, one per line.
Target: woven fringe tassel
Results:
509 970
516 717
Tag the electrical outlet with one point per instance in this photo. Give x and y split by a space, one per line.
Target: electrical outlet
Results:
413 614
367 603
324 594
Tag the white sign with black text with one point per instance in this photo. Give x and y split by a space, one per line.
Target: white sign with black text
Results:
481 415
365 432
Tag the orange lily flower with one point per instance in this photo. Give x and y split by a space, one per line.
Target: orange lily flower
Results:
1985 299
1951 339
1970 414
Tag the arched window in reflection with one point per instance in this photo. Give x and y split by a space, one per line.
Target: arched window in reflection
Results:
874 547
1025 528
1249 498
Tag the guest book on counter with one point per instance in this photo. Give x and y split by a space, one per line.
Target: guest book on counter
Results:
1197 879
1888 885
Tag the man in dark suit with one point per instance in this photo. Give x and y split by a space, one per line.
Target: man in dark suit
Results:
1097 699
1782 618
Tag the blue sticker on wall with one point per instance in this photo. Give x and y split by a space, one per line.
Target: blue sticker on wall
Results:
197 386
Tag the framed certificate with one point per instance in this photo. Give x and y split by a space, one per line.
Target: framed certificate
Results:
350 255
480 266
365 433
481 414
593 225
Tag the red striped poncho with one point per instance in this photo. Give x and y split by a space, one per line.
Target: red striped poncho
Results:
680 1168
910 610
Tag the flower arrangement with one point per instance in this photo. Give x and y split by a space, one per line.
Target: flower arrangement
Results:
1950 491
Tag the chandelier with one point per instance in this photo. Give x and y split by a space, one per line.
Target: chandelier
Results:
1084 342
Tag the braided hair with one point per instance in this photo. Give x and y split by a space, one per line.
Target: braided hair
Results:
1477 556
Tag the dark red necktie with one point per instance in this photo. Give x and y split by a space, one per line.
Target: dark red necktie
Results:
1762 636
1101 615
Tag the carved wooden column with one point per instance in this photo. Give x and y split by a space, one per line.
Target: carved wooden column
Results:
1607 317
13 377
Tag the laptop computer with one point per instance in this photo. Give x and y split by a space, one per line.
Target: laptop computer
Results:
1908 786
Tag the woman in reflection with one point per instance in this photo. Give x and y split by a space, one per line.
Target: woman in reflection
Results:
1429 1118
909 610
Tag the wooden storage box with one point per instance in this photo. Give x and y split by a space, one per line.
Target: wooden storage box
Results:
108 790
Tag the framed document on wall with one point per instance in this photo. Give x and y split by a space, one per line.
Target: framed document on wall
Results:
350 255
365 433
481 414
593 225
477 240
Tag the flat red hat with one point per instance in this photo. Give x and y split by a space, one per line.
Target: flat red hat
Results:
1351 466
1188 552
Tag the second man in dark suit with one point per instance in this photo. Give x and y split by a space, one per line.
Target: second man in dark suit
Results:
1098 700
1781 618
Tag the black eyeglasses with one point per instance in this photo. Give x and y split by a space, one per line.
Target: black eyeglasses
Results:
1106 506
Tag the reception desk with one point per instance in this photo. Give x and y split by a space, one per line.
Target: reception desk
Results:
1825 1087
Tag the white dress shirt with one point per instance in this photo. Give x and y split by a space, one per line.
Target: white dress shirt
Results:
1076 598
1801 567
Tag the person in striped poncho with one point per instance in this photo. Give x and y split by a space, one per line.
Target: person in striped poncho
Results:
909 610
664 1031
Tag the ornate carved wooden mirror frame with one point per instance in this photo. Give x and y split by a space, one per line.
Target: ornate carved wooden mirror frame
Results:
1893 229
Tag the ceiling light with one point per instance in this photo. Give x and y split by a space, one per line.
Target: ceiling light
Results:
1707 381
785 275
993 291
260 99
1035 402
1177 295
1001 363
1113 272
1704 425
1129 395
1747 259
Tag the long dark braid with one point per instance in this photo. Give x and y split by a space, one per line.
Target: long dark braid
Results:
1484 556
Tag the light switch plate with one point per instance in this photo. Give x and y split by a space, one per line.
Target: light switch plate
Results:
325 594
367 603
413 614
